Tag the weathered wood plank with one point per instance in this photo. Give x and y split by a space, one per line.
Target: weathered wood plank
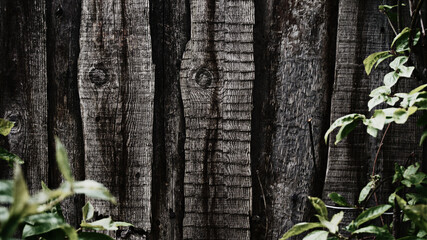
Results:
116 87
293 81
23 81
63 21
217 93
350 162
170 32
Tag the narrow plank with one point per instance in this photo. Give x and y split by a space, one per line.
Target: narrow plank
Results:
116 87
63 21
216 94
170 25
294 40
23 81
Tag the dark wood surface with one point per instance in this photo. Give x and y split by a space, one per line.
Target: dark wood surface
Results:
194 112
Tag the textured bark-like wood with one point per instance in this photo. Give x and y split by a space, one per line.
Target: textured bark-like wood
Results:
116 87
301 91
23 81
63 21
217 72
170 32
350 162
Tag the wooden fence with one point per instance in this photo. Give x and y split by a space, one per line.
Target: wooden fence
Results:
195 112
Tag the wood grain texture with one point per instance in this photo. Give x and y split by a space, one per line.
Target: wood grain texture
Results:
116 87
23 81
350 162
217 73
301 92
170 32
63 24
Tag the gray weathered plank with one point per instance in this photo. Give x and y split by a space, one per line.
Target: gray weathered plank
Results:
63 21
23 81
116 87
217 72
293 84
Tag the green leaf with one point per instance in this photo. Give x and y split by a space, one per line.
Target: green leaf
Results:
47 222
370 61
405 72
104 224
417 213
332 225
391 78
400 116
320 206
338 199
10 157
344 131
88 211
4 214
366 190
300 228
93 189
342 121
5 126
398 62
93 236
62 160
371 213
402 40
381 233
317 235
418 89
20 206
423 137
6 190
398 173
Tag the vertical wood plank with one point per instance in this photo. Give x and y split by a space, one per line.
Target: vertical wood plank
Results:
170 32
216 81
294 77
23 81
63 21
116 87
350 162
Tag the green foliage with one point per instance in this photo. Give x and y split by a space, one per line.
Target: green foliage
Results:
40 214
414 209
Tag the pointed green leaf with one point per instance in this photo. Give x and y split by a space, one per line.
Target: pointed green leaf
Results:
371 213
400 116
418 89
381 233
391 78
10 157
370 61
88 211
344 131
365 191
345 120
338 199
47 222
317 235
93 189
5 126
423 137
320 206
398 62
300 228
62 160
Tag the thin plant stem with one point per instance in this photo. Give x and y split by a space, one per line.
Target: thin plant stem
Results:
379 149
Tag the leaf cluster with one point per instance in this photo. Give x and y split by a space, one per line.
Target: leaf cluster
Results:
413 206
40 214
